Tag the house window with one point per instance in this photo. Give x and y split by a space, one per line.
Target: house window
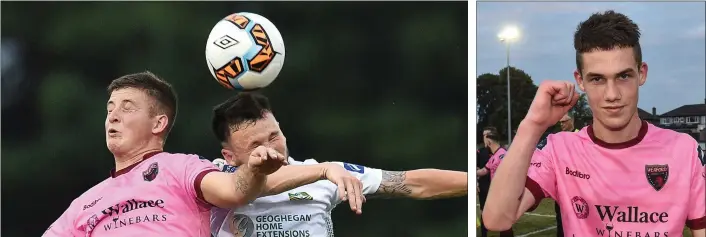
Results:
679 120
691 119
703 119
663 121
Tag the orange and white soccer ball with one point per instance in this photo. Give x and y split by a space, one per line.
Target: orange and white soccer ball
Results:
245 51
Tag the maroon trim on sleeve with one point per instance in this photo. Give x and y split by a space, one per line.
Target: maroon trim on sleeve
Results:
536 191
697 224
197 188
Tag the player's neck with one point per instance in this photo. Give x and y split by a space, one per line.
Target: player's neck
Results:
494 147
629 132
237 163
130 158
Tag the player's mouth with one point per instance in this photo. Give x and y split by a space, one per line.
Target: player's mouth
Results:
613 109
112 132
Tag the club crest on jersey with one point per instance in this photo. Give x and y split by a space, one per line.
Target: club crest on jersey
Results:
151 172
657 175
701 155
354 168
299 196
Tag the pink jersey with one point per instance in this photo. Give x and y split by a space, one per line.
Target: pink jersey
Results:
159 196
650 186
494 161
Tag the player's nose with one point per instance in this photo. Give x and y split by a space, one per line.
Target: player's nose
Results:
113 117
612 92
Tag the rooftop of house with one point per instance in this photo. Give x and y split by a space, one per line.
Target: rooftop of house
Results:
687 110
645 115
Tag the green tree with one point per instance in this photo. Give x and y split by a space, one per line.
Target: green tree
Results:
581 112
491 95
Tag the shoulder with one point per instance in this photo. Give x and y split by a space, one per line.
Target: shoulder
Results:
685 142
675 139
681 142
500 153
292 161
178 156
180 159
658 134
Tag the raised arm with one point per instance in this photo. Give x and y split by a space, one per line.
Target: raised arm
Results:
293 176
508 198
422 184
229 190
514 189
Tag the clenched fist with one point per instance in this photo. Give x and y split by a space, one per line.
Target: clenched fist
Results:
265 160
552 101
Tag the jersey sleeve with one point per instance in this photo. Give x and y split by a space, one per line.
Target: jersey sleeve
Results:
696 218
541 178
62 227
195 168
370 177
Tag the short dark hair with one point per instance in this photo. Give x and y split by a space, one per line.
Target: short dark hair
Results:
243 109
160 90
492 133
606 31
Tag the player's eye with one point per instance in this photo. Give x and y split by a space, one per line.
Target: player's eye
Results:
624 76
255 145
595 79
274 136
128 108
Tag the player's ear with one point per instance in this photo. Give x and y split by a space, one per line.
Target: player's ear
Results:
643 73
228 156
161 122
579 79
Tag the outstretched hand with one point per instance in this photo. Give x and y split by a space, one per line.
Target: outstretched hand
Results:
349 187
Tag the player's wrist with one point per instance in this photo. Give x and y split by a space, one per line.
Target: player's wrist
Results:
254 171
323 170
528 128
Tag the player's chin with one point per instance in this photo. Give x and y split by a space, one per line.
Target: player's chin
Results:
615 123
114 144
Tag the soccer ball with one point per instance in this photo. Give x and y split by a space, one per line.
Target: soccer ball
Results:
245 51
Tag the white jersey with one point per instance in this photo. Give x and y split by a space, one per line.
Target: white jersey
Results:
301 212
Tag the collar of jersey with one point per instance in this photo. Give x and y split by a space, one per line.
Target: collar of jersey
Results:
115 174
621 145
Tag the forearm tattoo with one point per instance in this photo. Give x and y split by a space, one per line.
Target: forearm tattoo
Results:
393 185
241 182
